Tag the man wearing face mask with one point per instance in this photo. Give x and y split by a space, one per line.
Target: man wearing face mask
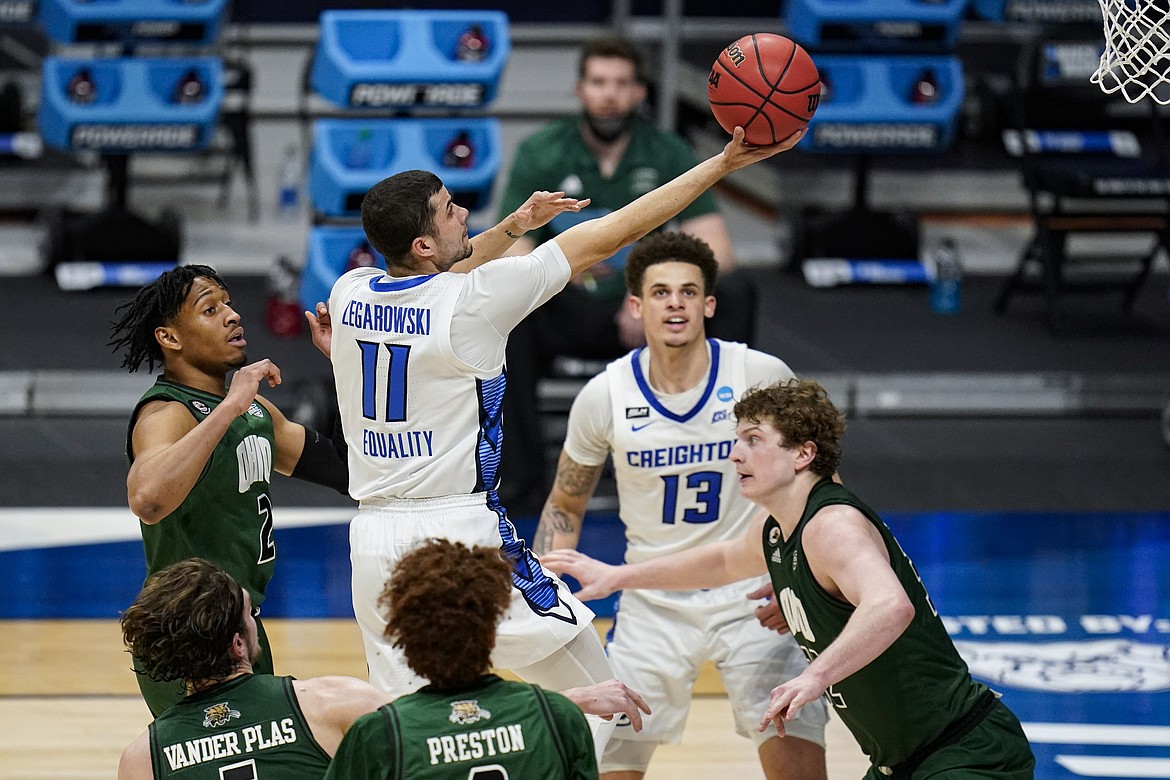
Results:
612 154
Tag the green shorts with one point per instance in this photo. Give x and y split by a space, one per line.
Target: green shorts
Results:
996 748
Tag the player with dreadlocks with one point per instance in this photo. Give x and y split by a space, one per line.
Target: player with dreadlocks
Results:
202 453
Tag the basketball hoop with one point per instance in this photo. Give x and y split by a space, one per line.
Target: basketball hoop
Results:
1136 59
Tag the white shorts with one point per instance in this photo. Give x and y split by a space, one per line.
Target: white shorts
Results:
661 638
543 615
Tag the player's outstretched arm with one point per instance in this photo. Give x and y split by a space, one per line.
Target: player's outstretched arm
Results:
536 212
593 241
706 566
849 559
564 510
609 698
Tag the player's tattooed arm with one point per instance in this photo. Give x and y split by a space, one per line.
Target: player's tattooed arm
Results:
564 511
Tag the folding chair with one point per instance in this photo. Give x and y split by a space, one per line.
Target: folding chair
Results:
1092 164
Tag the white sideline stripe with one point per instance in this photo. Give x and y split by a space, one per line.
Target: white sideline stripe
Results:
34 528
1099 734
1114 766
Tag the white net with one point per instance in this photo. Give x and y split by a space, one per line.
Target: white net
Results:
1136 59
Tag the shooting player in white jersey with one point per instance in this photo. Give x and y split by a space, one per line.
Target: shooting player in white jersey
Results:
664 413
418 360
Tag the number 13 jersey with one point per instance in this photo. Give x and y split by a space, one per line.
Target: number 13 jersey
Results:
676 486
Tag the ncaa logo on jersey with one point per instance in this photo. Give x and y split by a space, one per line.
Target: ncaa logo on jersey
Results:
467 711
218 714
725 394
201 407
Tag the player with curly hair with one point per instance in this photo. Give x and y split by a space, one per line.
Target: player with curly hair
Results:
194 625
442 605
851 597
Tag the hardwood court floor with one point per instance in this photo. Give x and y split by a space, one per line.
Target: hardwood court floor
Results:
69 704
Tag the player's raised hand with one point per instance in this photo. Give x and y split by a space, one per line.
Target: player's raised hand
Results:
542 206
740 153
612 697
321 328
246 383
789 698
597 579
769 613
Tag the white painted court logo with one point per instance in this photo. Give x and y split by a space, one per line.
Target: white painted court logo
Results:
467 711
1106 665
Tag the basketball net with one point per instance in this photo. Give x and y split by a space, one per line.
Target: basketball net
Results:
1136 59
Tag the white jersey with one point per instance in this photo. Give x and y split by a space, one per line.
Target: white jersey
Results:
418 365
676 487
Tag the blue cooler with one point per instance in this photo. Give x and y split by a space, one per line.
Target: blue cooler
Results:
869 107
408 59
134 107
351 155
875 25
191 22
328 252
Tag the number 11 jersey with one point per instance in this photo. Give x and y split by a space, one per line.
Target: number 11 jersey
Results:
418 366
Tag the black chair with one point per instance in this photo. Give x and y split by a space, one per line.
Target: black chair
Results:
1092 164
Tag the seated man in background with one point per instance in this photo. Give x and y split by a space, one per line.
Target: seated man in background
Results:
443 603
614 155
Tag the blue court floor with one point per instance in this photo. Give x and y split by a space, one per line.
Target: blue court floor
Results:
1067 615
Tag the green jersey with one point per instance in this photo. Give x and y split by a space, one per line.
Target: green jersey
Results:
905 697
491 730
248 728
556 158
227 516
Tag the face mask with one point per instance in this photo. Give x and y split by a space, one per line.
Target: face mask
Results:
609 129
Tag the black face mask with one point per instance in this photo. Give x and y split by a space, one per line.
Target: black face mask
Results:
609 129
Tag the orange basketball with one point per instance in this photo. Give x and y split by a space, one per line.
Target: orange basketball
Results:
765 84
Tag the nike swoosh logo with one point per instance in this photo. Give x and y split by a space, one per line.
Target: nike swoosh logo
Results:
636 428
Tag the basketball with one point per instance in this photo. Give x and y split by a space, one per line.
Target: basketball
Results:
766 84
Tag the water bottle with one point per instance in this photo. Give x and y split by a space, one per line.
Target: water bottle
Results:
282 310
947 280
190 88
459 153
81 89
472 45
288 191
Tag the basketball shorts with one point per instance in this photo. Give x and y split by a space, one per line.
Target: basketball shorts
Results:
542 618
996 749
661 638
